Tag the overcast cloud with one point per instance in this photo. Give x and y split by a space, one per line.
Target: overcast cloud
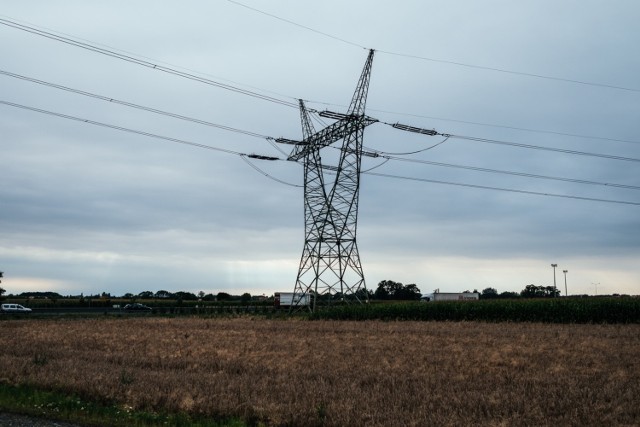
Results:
89 209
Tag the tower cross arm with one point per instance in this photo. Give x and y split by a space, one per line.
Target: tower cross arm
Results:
330 134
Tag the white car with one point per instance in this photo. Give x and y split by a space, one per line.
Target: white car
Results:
14 308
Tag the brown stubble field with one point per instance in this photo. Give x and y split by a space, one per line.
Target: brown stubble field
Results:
297 372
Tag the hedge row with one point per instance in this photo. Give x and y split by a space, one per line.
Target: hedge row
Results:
551 310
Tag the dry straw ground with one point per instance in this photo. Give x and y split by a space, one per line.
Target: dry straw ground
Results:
338 373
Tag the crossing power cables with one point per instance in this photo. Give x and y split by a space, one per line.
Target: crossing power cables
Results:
246 156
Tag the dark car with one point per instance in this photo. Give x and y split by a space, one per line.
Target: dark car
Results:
136 307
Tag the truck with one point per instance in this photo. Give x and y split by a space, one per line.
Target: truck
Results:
451 296
288 299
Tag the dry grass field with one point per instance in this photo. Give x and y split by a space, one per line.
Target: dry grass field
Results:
338 373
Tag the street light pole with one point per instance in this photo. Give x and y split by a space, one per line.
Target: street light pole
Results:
565 282
555 289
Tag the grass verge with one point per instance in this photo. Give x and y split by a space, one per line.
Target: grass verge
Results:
53 405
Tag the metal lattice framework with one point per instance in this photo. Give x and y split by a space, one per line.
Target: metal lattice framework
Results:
330 268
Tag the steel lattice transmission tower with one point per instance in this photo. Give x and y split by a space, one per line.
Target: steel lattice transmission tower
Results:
330 266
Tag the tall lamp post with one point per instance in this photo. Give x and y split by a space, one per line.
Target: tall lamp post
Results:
555 289
565 282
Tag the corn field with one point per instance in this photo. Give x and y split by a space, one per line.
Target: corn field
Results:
550 310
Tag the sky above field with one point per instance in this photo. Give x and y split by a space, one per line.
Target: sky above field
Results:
89 206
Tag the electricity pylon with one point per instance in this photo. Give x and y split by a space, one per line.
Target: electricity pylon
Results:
330 268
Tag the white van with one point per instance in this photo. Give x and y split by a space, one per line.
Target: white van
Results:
14 308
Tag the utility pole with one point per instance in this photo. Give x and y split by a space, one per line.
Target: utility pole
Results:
330 268
555 289
565 282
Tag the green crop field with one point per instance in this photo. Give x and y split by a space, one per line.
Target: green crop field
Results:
551 310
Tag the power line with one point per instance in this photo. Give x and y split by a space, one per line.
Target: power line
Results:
518 73
131 58
228 128
442 61
550 132
431 132
469 122
144 63
120 128
296 24
504 172
538 147
262 172
249 133
510 190
410 153
244 156
132 105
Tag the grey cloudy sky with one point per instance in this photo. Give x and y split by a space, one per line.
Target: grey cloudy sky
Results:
90 209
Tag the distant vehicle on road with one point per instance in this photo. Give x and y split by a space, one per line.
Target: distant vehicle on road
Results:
14 308
288 299
451 296
136 307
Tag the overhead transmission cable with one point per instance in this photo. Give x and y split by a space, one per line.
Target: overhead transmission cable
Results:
393 156
513 173
538 147
132 105
322 33
387 155
510 190
516 128
262 172
120 128
522 129
431 132
132 59
244 156
442 61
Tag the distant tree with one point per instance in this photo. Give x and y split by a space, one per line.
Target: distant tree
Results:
533 291
222 296
201 294
550 291
50 295
145 295
381 291
408 292
489 293
186 296
209 297
388 289
128 295
2 291
163 294
363 294
245 298
507 294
